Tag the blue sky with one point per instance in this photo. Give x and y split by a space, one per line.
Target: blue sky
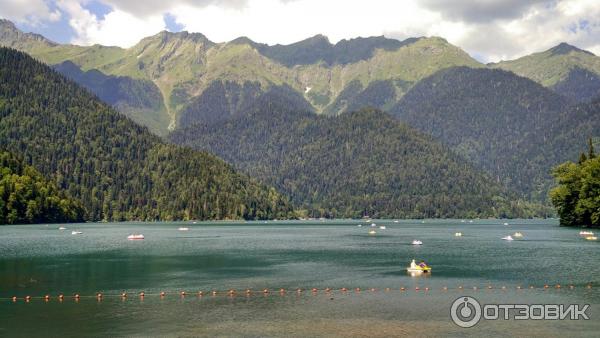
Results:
489 30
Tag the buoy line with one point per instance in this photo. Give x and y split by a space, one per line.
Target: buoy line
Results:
283 291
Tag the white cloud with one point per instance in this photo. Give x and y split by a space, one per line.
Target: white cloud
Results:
275 21
489 29
28 11
117 28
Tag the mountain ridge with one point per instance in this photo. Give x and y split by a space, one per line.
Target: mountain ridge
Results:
182 65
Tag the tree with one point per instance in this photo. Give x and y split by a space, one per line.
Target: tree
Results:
577 195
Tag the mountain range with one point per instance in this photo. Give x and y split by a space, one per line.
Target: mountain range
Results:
163 76
293 116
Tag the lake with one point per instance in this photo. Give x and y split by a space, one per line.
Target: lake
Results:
36 260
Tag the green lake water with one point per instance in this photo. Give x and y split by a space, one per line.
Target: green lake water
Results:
37 260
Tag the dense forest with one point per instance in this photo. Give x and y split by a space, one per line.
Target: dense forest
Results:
27 197
352 165
577 194
119 170
505 124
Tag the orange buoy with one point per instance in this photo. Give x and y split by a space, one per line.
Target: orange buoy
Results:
402 288
357 289
545 286
426 288
344 289
327 289
489 286
315 290
281 290
182 293
571 287
387 289
14 298
200 293
445 288
558 286
519 287
142 294
266 291
27 298
214 293
299 290
99 295
248 291
589 286
46 297
373 289
76 296
124 295
162 293
417 288
61 297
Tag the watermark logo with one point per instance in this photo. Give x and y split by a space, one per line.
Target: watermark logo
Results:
467 312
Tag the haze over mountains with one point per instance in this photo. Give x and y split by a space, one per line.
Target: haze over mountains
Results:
454 137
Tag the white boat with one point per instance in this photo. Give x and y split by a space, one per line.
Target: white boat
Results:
458 234
462 221
372 232
417 242
508 238
518 234
194 222
396 221
359 225
62 228
471 221
505 223
586 233
134 237
183 229
76 232
382 227
591 238
373 225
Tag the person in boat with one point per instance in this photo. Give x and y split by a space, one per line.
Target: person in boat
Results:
423 264
413 265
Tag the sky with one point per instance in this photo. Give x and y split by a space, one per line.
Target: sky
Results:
489 30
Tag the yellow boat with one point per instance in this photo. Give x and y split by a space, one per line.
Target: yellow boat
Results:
416 268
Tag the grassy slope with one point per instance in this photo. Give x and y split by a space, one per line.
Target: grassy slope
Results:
551 66
188 63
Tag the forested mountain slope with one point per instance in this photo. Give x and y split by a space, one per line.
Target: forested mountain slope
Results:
118 169
510 126
27 197
355 164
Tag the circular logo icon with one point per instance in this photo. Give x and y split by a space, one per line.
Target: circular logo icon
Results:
465 312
